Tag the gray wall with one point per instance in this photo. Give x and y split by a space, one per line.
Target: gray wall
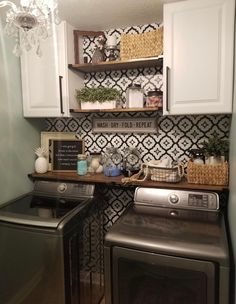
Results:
18 136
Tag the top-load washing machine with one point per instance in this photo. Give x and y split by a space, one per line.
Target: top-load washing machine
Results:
45 246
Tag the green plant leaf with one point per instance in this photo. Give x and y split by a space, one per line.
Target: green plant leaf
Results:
215 146
100 94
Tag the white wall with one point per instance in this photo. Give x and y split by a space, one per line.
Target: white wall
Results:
232 197
18 136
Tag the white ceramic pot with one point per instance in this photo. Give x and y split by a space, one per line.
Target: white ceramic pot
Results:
41 165
215 160
111 104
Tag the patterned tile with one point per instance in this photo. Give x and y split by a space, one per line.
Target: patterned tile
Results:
175 135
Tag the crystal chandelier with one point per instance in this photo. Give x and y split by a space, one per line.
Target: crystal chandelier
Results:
30 22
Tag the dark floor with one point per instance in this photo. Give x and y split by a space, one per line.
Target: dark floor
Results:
103 301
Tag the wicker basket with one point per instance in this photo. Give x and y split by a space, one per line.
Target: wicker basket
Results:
208 174
133 46
170 175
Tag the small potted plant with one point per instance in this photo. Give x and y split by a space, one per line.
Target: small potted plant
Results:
98 98
215 150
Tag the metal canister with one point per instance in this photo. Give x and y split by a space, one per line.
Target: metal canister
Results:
134 96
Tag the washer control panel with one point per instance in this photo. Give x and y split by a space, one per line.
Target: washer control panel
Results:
62 188
183 199
200 200
67 189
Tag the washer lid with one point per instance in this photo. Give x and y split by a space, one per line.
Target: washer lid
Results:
193 234
44 211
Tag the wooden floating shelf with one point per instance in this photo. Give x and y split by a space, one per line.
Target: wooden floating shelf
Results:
115 110
118 65
99 178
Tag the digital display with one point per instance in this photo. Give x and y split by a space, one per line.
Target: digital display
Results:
198 200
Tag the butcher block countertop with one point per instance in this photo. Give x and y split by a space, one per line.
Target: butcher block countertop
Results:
99 178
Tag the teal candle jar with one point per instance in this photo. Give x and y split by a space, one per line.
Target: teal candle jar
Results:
82 167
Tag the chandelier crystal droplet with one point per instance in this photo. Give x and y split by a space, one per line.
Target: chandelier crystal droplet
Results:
30 22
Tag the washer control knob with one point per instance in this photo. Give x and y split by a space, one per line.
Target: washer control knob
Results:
62 188
174 199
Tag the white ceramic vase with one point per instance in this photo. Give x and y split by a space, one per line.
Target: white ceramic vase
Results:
41 165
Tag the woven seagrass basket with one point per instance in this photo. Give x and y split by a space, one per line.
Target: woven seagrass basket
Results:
133 46
208 174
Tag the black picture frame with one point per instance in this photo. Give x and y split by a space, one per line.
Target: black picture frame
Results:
65 154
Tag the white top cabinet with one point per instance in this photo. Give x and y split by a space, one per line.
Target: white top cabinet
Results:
48 87
198 57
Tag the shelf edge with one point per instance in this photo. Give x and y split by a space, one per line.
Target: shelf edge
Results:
116 65
126 110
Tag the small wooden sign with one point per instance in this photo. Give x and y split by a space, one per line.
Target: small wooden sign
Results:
78 43
64 154
125 125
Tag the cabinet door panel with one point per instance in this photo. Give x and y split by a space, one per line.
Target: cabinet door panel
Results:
198 49
40 79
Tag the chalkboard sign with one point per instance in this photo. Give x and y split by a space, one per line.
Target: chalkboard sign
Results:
64 154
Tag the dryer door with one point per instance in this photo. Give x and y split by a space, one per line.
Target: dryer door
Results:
141 277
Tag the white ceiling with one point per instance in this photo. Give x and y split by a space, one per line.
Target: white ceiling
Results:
106 14
109 14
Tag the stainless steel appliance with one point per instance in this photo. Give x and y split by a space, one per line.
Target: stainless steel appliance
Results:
46 243
169 247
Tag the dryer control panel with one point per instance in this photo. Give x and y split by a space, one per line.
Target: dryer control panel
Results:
183 199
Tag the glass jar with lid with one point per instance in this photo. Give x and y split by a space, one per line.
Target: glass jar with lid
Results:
154 99
131 161
82 166
197 156
112 162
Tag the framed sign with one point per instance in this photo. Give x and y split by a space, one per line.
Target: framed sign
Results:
78 43
125 125
48 137
64 154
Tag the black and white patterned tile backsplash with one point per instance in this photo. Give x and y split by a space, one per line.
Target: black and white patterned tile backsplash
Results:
175 136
